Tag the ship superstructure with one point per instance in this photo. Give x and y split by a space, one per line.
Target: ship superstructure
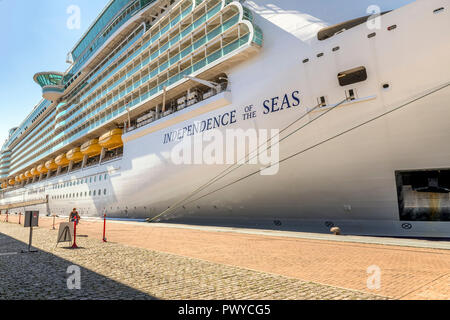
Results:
132 63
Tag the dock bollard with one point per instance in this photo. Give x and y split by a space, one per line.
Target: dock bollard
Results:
104 228
74 245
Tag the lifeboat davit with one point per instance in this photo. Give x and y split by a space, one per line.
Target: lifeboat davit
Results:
61 160
42 169
28 174
91 148
12 182
112 139
74 155
51 165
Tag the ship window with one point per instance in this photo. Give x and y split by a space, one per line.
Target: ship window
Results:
94 193
99 192
104 192
95 179
99 178
89 193
352 76
85 193
106 176
90 179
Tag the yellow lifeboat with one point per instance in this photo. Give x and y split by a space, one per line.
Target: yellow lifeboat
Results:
12 182
91 148
4 185
34 172
74 155
51 165
61 160
112 139
22 177
42 169
28 174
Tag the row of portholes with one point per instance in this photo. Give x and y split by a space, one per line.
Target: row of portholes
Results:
79 195
80 181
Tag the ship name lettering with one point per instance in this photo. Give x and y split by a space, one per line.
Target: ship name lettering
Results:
277 103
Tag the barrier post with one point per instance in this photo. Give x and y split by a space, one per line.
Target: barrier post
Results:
20 214
104 228
54 222
74 245
6 217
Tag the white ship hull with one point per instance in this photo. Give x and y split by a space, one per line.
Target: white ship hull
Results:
345 174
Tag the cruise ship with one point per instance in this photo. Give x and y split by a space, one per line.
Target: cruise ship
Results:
359 98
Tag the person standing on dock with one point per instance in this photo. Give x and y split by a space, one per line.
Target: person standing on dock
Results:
74 216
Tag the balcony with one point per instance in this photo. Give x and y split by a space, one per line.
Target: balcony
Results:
51 83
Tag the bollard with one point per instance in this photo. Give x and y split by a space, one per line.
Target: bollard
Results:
74 245
20 214
6 217
104 228
54 222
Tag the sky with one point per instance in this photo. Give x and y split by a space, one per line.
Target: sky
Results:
35 37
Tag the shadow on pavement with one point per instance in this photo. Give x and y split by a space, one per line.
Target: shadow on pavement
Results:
44 276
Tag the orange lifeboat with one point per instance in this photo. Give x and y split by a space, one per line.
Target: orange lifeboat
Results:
42 169
17 178
34 172
91 148
28 174
74 155
51 165
112 139
22 177
12 182
61 160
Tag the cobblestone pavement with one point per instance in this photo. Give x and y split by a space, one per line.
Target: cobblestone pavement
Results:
406 272
117 271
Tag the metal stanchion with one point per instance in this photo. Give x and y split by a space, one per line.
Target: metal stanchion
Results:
104 228
74 245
